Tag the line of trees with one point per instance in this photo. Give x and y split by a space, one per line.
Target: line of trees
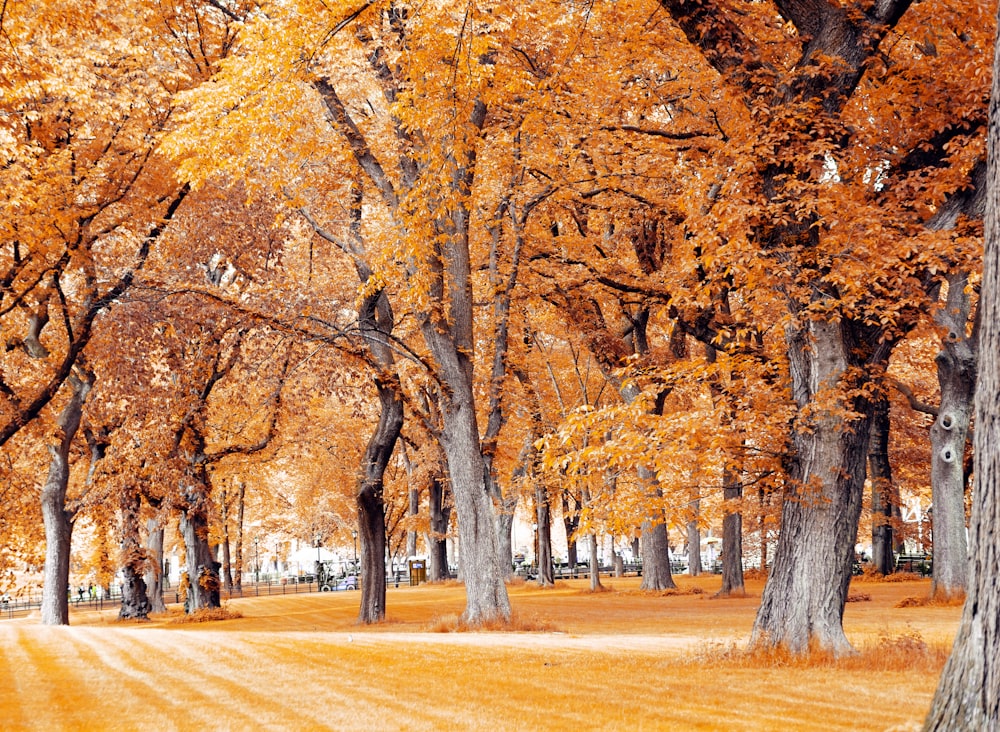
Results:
623 260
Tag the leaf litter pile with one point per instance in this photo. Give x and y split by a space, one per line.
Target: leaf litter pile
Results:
622 659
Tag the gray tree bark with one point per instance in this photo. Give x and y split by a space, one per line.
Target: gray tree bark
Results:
135 603
655 546
956 366
694 541
571 520
732 537
376 322
154 566
227 566
595 565
240 509
202 569
968 693
437 542
411 535
543 519
803 601
880 473
58 520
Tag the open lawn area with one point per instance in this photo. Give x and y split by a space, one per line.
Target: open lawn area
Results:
617 660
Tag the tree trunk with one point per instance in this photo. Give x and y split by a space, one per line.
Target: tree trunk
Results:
486 593
571 520
135 604
656 557
956 365
57 519
968 693
202 569
543 519
764 503
505 530
411 535
880 472
154 566
694 541
595 565
227 568
240 505
376 321
803 601
732 537
437 542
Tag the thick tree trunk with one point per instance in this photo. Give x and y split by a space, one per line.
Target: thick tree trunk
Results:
154 566
58 521
376 322
543 519
880 473
956 365
504 506
655 544
135 604
968 693
656 557
505 531
371 531
479 559
437 542
58 534
202 569
732 537
803 601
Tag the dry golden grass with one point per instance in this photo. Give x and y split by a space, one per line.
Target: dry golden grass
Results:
616 660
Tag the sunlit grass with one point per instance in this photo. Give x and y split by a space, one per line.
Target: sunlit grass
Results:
623 659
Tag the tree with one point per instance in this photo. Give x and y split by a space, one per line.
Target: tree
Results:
58 517
968 693
803 106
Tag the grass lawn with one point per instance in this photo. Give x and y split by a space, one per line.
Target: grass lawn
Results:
617 660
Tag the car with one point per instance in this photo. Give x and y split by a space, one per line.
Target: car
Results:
350 582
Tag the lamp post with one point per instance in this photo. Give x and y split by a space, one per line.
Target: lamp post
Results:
354 535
